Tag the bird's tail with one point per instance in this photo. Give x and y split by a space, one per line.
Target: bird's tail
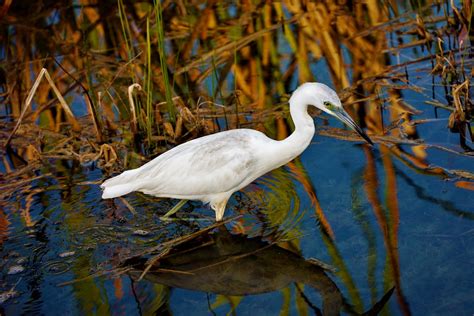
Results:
120 185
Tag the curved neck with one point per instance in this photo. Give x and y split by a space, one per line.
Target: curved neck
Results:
297 142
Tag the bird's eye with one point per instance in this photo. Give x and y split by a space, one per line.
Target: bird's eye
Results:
329 105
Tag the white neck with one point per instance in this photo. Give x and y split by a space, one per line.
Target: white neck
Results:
296 143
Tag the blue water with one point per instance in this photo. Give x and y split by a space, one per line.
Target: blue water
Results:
392 225
434 240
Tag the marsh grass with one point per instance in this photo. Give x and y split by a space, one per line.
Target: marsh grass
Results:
247 54
159 25
207 67
191 60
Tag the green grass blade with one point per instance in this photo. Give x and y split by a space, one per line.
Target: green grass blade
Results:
164 68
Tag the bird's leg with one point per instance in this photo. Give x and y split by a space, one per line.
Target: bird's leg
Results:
175 208
219 208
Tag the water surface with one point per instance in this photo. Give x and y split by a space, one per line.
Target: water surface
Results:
344 228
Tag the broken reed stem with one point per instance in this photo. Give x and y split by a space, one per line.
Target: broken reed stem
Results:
456 95
27 105
130 207
172 243
132 106
89 102
29 98
168 245
63 103
94 118
182 239
152 261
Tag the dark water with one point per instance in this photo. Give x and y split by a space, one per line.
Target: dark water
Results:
415 232
345 228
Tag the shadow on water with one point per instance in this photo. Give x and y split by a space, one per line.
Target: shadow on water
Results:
234 265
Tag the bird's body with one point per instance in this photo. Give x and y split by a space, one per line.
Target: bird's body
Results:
213 167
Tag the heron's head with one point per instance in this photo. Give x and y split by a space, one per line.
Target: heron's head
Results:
324 98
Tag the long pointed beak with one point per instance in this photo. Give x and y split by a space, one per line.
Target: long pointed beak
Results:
344 117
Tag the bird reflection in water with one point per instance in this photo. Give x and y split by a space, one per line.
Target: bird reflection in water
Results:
235 265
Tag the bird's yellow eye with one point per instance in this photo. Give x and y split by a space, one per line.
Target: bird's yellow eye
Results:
329 105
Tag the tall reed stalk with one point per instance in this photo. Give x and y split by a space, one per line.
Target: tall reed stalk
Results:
126 33
148 85
163 64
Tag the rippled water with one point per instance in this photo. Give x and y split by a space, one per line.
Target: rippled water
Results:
391 227
344 228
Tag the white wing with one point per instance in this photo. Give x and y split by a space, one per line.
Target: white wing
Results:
205 166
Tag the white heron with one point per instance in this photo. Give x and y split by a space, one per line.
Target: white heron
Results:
213 167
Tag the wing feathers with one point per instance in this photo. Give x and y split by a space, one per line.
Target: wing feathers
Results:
205 166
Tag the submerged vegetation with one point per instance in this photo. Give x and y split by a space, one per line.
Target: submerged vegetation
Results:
111 84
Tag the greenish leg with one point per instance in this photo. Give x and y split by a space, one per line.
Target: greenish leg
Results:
175 208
